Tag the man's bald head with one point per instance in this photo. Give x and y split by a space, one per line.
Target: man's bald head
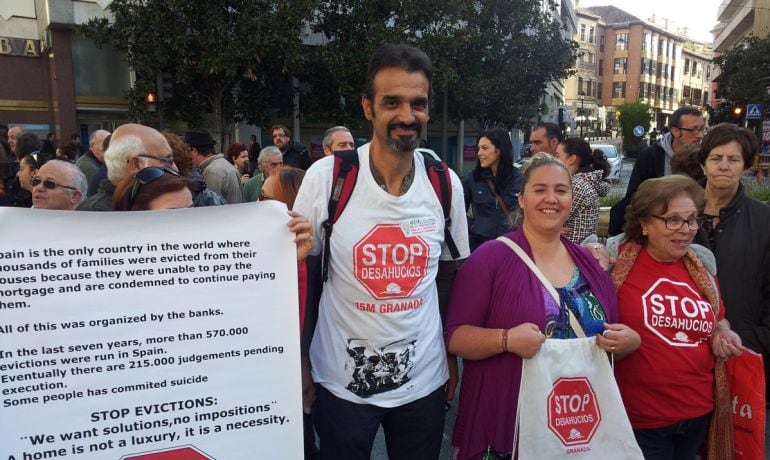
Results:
134 147
96 143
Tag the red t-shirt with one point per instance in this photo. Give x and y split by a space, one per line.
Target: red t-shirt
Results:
670 377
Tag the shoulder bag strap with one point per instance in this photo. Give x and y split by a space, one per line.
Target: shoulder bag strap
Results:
499 200
573 322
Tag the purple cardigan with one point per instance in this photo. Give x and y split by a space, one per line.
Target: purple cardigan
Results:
495 289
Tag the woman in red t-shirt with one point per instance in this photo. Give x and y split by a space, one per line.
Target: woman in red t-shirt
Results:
667 294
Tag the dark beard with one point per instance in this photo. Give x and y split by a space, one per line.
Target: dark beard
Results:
404 145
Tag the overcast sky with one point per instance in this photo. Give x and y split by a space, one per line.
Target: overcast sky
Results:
699 16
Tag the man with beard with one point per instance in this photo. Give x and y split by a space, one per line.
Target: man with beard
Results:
294 153
392 230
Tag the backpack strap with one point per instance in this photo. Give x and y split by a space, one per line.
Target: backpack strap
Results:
441 181
344 176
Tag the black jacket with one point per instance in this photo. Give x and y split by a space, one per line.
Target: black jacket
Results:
650 164
489 220
742 250
297 156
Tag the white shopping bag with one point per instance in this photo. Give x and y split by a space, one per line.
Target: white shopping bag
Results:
570 406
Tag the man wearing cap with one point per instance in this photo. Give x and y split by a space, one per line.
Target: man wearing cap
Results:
219 174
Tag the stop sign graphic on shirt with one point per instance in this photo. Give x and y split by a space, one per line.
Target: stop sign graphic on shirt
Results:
573 411
677 314
389 264
176 453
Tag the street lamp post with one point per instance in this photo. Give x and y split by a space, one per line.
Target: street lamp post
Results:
582 112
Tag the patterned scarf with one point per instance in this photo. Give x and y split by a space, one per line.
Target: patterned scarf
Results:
720 437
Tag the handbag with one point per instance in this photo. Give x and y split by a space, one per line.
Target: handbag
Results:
569 403
746 380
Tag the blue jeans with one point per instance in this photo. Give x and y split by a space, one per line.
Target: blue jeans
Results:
347 430
679 441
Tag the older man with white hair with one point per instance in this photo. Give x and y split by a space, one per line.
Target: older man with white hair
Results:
337 139
132 148
58 185
270 160
94 157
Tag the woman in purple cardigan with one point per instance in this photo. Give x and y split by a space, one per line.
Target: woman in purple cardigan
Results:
499 311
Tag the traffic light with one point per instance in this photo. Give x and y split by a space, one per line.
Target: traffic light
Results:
166 86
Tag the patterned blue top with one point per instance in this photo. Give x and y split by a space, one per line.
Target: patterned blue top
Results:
576 296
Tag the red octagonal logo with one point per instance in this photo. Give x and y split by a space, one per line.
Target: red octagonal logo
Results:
389 264
174 453
573 411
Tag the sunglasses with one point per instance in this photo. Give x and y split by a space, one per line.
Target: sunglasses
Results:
48 183
166 161
147 176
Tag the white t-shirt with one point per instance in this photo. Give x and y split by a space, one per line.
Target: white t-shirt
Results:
378 339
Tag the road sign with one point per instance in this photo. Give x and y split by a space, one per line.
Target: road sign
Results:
753 111
639 131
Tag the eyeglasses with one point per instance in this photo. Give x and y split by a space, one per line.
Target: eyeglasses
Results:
677 223
279 135
49 184
147 176
166 161
699 129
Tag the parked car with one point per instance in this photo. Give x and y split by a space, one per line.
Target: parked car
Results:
614 158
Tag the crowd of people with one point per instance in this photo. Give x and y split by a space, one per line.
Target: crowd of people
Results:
383 327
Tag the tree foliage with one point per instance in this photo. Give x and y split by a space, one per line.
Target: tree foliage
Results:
742 69
494 58
232 60
225 58
632 115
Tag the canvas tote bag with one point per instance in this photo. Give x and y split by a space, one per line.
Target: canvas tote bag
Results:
569 403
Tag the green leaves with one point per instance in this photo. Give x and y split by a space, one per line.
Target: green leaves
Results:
742 69
209 49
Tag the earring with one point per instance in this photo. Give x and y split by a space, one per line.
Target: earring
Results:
645 232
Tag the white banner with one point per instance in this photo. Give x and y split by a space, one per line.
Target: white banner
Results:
149 335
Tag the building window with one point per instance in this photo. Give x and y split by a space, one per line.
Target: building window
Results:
601 67
661 46
673 72
591 31
694 66
621 41
687 66
580 85
582 32
598 90
619 89
621 65
601 43
651 68
673 50
645 41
